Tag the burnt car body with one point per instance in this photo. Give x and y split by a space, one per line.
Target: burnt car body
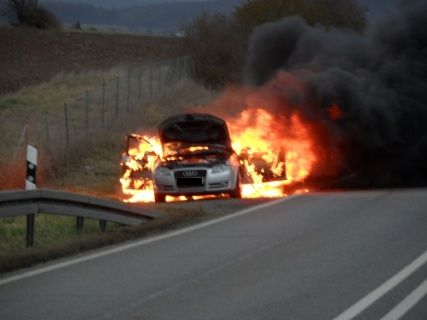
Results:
197 158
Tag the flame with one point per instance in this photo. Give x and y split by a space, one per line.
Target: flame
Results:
274 153
140 160
285 153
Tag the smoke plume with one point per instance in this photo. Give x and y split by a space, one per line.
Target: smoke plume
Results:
364 95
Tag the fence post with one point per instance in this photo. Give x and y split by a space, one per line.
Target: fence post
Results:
117 97
178 70
67 134
151 81
46 121
128 93
139 85
159 86
30 184
103 105
87 114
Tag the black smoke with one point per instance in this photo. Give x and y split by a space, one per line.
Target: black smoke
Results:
378 79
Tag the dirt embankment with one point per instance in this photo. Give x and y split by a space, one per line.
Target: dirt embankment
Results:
28 56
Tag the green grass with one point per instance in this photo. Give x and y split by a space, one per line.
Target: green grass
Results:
50 229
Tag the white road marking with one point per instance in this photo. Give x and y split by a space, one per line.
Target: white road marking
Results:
375 295
139 243
406 304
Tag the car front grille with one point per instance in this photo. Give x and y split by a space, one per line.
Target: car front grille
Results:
190 174
190 178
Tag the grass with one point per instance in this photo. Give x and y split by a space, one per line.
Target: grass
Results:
56 236
91 161
30 104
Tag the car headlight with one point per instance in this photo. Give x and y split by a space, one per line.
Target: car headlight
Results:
220 168
162 171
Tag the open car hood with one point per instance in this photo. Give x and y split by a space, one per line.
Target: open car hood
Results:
195 129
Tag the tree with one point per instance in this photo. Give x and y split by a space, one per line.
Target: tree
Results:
215 48
336 13
253 13
329 13
219 43
28 13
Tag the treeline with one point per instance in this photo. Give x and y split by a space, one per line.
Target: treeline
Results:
219 42
164 16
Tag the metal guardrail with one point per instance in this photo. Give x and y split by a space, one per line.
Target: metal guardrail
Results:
31 202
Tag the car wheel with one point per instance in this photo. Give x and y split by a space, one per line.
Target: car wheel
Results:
237 192
159 198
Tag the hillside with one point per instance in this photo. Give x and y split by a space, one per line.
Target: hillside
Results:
166 17
163 15
24 61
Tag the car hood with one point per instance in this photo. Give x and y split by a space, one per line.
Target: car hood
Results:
197 129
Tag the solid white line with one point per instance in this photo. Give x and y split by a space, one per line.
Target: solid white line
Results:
406 304
368 300
143 242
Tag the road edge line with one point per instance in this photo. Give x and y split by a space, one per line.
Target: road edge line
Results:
383 289
407 303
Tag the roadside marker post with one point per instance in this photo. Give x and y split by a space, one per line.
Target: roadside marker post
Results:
30 184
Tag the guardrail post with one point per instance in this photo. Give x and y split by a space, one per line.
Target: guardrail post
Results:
80 223
103 225
30 230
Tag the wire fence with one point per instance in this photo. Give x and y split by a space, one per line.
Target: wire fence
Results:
101 109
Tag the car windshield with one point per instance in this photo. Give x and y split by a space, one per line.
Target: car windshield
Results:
185 149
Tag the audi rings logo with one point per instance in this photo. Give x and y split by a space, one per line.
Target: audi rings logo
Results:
191 173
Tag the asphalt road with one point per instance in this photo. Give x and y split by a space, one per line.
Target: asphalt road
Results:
359 255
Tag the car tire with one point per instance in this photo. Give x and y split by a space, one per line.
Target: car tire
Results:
237 192
159 198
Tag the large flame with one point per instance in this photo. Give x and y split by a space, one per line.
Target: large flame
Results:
274 153
286 151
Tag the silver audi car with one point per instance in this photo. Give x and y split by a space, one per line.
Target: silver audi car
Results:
197 158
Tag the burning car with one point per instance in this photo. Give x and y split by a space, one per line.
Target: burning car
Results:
199 155
197 158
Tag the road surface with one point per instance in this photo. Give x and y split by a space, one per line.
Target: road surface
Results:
337 256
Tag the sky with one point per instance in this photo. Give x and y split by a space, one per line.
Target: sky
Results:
376 6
